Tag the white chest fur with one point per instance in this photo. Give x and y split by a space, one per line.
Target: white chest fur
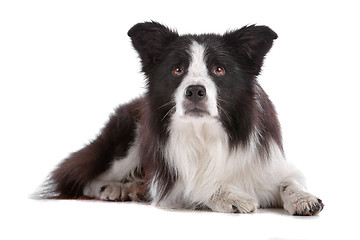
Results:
198 151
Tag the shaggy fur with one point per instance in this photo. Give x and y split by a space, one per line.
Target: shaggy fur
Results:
204 135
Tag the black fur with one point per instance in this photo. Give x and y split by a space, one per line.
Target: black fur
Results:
240 52
71 176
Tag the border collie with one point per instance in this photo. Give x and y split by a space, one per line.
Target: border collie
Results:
204 135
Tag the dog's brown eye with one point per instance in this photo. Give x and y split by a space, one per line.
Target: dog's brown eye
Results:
219 71
177 71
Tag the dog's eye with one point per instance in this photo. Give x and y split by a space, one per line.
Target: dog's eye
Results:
177 71
219 71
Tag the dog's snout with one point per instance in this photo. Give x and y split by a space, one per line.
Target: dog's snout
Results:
195 93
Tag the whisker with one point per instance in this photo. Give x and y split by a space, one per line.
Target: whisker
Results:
170 110
221 100
168 103
221 109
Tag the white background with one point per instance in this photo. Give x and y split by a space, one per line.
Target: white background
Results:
65 65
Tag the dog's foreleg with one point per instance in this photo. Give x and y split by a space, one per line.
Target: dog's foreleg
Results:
297 201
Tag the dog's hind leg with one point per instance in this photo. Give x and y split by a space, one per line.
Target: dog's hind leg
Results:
112 156
120 180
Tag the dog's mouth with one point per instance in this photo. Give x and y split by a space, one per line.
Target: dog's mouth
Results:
197 112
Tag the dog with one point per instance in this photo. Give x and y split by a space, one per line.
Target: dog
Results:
204 135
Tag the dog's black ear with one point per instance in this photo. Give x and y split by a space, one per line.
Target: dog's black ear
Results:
149 38
250 45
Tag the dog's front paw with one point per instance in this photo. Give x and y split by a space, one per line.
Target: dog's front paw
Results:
234 205
244 206
303 204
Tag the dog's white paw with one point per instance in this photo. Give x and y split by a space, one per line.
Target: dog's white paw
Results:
303 204
234 205
107 190
113 191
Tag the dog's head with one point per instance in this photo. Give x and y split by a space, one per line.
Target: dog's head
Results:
201 76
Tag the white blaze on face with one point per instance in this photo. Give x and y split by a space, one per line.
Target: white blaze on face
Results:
197 74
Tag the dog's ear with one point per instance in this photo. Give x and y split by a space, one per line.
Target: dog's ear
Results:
250 45
149 38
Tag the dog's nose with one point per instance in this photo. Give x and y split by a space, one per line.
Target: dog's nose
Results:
195 93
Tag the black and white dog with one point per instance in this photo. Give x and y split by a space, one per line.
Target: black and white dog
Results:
204 135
